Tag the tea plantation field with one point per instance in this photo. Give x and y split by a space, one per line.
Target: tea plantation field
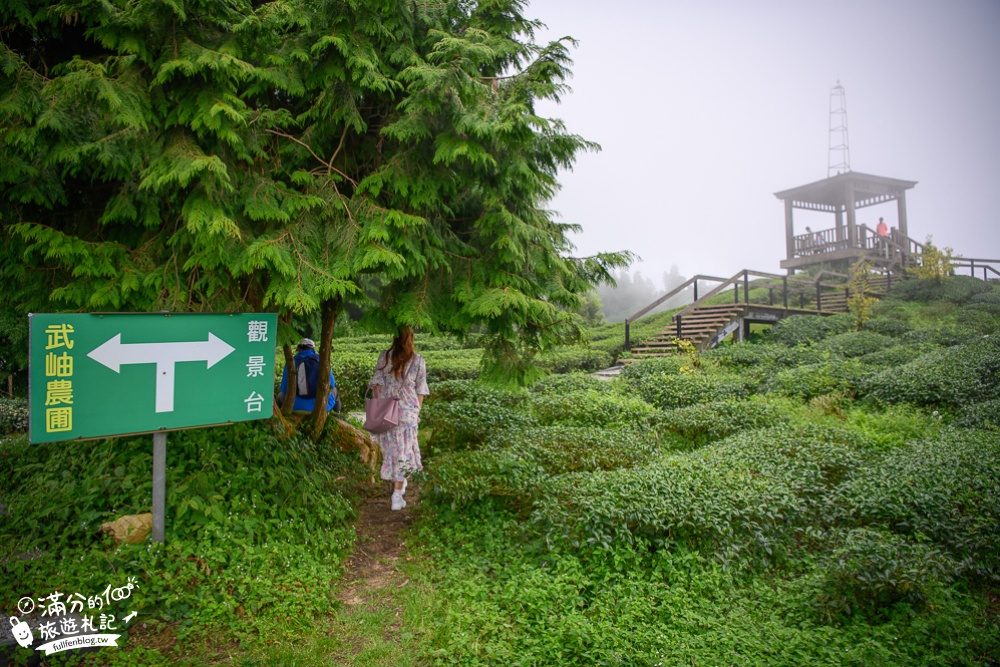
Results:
824 496
816 496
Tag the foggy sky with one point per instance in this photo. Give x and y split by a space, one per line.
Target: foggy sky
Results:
704 109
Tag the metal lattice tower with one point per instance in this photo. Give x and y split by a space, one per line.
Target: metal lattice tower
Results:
839 160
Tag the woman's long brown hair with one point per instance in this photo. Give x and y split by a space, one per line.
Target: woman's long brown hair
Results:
401 351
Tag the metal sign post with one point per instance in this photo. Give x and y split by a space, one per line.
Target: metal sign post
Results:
99 375
159 485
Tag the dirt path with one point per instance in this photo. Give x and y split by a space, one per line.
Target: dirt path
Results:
371 570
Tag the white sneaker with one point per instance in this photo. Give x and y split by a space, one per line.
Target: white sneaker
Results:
397 501
402 491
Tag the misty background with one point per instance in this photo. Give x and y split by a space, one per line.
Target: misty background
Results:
705 109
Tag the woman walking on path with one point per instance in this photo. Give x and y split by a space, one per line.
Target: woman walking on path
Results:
401 373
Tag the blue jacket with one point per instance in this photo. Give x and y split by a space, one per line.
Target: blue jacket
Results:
302 403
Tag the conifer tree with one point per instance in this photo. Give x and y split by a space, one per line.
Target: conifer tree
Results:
195 155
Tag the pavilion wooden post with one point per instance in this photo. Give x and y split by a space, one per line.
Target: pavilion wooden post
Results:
789 230
901 214
852 230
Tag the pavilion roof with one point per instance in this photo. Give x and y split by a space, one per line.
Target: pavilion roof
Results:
831 193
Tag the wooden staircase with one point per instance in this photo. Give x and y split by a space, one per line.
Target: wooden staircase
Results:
698 326
704 326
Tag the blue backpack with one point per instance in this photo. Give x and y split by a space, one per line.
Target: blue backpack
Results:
307 377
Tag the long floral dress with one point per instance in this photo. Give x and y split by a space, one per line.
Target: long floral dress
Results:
400 449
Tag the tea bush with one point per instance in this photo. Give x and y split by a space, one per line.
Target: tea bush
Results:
891 357
667 391
951 378
572 382
697 425
979 319
353 368
515 464
806 329
589 408
893 327
943 488
856 344
810 460
989 301
769 357
13 415
985 415
939 336
574 358
561 449
953 289
811 380
351 372
676 502
461 478
742 498
468 419
872 570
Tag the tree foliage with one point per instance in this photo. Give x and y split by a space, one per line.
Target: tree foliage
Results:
288 156
935 263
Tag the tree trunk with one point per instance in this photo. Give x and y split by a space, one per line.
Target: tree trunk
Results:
288 405
328 309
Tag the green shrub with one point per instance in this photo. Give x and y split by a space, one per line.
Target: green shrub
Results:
805 329
872 570
677 391
252 521
943 488
990 301
809 381
562 449
353 367
940 336
856 343
653 367
515 464
953 289
455 364
661 383
700 424
891 357
744 497
572 382
352 372
13 415
951 378
985 415
466 422
574 358
893 327
810 460
767 356
979 319
589 408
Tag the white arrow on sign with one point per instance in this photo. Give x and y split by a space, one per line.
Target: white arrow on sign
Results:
114 354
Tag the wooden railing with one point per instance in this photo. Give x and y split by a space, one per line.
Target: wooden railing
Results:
989 267
895 248
808 290
663 299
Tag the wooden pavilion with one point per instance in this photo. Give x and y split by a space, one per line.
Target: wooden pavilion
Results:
847 241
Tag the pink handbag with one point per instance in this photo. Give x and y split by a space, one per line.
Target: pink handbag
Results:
381 414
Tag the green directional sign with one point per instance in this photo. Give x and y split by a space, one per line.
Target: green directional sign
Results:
95 375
